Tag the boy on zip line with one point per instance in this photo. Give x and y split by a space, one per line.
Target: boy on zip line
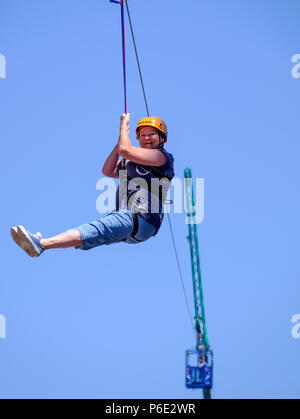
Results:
143 185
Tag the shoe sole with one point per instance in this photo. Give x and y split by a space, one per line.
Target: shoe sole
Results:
22 239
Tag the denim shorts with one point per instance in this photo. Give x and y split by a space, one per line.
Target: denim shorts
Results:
114 227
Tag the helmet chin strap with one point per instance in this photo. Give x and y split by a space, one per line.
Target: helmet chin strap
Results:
161 141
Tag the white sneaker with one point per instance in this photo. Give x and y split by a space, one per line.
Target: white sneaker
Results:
30 243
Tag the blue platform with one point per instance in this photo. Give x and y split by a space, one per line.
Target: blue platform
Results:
199 369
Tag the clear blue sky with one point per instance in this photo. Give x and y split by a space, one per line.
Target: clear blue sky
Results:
112 322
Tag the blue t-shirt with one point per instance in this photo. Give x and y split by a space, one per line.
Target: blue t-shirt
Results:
144 188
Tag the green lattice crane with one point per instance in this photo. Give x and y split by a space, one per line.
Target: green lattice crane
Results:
199 362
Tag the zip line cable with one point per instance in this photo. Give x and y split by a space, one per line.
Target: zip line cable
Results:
180 273
168 215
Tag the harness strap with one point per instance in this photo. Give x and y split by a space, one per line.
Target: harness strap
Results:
136 226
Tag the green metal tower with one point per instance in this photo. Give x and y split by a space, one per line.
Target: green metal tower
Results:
200 374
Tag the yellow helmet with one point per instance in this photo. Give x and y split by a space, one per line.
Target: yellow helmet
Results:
153 121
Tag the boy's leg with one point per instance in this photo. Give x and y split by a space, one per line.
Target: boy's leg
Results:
63 241
34 245
112 228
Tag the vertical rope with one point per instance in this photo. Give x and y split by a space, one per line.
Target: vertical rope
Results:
124 53
137 58
121 2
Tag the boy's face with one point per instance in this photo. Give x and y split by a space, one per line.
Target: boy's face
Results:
148 137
